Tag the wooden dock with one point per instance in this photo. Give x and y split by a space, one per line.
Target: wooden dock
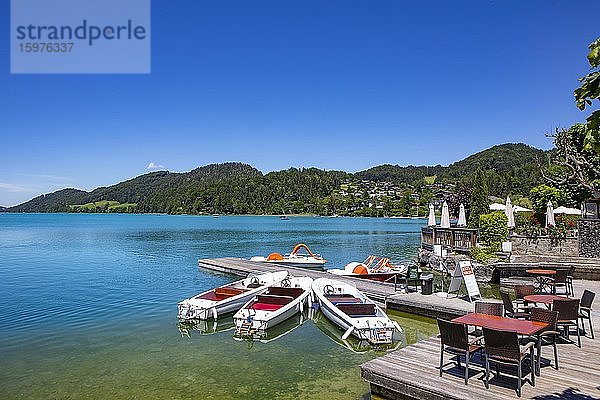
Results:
412 372
378 291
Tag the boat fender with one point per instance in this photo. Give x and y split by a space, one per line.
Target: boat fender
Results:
214 312
347 333
315 306
301 307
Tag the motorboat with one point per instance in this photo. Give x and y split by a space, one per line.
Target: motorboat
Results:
278 303
279 330
296 258
352 343
227 298
373 268
352 311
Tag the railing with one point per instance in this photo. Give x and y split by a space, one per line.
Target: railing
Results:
456 239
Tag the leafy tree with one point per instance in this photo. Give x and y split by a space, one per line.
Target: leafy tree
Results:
575 166
494 229
540 195
479 203
590 90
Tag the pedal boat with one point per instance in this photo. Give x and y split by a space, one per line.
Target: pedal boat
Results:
295 258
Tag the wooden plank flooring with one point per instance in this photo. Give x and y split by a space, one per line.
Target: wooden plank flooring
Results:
376 290
412 372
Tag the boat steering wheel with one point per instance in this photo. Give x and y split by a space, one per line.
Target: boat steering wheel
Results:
286 283
254 281
328 290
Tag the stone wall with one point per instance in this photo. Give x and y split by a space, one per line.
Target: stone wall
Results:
544 246
589 238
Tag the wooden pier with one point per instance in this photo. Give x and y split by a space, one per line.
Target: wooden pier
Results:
412 372
378 291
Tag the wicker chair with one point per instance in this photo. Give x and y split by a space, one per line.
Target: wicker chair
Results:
559 280
502 347
456 341
548 335
520 292
490 308
568 316
509 309
570 277
585 309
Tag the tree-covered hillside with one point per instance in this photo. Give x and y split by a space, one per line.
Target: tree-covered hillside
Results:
236 188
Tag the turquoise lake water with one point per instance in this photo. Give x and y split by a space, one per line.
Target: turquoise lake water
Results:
88 306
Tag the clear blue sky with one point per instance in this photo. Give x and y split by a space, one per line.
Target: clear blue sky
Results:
332 84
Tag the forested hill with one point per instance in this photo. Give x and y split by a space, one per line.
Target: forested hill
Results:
236 188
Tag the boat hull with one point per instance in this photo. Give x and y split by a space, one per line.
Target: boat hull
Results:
376 329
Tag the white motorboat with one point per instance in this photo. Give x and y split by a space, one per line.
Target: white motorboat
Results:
228 298
355 313
278 303
295 258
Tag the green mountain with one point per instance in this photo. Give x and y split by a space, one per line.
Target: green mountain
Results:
236 188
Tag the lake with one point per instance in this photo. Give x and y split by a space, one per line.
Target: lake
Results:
88 306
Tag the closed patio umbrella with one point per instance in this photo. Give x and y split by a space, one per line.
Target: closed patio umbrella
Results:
462 216
431 219
509 211
550 215
445 222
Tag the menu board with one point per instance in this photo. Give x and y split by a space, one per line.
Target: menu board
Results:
464 272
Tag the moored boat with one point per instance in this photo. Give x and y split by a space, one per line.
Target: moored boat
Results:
355 313
295 258
228 298
278 303
373 268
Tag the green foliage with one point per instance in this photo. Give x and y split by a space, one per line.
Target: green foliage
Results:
588 91
540 195
493 229
576 168
564 224
482 255
479 203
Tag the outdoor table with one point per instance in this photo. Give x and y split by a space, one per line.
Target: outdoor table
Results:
541 277
546 299
522 327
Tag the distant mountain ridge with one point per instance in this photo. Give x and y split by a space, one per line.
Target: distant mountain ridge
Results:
239 188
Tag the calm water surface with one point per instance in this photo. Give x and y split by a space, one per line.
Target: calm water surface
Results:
88 307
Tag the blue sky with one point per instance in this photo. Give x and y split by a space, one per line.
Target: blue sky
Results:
332 84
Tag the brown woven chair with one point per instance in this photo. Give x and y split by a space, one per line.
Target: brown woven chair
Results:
570 277
568 316
490 308
548 335
502 347
585 310
559 280
520 292
509 309
456 341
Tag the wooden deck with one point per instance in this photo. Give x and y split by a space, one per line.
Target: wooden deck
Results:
378 291
412 373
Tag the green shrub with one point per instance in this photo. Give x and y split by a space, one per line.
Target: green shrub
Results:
482 254
540 195
493 229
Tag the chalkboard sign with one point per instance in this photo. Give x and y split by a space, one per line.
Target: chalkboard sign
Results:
464 272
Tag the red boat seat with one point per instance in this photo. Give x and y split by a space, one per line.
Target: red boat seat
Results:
266 306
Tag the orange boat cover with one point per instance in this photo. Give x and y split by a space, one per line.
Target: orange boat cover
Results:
274 257
360 270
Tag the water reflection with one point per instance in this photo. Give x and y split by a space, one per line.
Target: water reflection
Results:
352 343
206 327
